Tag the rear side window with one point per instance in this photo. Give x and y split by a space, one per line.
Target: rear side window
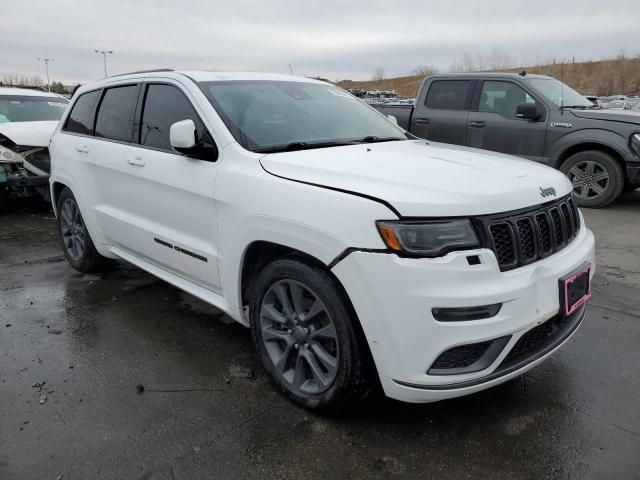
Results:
81 117
115 114
163 106
448 94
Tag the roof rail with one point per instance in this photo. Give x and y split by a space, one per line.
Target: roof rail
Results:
144 71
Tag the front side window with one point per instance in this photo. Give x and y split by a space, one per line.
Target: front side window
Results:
81 117
270 115
163 106
115 114
503 98
448 94
27 108
559 93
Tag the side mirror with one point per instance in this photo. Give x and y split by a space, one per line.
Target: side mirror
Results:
528 111
393 119
183 139
182 135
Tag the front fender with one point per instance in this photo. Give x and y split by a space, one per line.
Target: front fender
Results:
606 138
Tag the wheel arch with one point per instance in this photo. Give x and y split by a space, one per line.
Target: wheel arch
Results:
584 146
56 189
260 253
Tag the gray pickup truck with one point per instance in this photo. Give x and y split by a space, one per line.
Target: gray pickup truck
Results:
535 117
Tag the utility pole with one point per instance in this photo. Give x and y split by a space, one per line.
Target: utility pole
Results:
104 54
46 66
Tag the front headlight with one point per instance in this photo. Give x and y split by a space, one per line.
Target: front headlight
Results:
9 156
635 143
428 239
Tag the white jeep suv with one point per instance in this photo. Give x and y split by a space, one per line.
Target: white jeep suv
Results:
357 254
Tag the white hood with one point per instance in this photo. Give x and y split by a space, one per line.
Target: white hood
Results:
423 179
33 134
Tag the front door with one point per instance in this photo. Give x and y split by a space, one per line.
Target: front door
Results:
166 200
493 125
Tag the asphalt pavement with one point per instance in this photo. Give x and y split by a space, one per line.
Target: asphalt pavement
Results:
122 376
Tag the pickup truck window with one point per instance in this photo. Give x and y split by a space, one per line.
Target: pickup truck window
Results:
559 93
448 94
503 98
264 115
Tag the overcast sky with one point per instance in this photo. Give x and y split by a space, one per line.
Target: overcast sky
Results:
332 39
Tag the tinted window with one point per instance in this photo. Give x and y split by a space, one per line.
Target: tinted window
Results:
448 94
115 114
81 117
163 106
503 98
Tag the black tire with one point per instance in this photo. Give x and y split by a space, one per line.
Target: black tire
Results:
352 378
597 177
88 259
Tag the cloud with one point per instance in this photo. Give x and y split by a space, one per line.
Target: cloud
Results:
330 38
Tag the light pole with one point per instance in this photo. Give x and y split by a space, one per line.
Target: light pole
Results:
104 54
46 66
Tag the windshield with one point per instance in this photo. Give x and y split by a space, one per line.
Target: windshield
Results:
559 93
270 116
26 108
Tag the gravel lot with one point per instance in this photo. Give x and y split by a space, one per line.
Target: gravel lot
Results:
75 349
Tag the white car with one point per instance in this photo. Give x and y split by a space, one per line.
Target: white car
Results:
27 121
356 253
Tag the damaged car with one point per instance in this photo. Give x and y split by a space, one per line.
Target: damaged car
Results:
27 120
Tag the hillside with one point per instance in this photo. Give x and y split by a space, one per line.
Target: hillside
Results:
604 77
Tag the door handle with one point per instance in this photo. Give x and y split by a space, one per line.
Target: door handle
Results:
422 120
476 124
136 161
82 149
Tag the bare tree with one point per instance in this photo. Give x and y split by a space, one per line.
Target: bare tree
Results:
496 59
378 74
425 70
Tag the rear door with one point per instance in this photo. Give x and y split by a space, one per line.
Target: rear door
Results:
78 145
109 177
493 124
169 198
442 114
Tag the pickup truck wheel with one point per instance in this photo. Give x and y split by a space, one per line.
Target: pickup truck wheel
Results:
76 242
597 178
305 336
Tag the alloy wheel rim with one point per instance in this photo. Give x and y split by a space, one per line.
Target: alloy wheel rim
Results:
299 337
589 178
73 232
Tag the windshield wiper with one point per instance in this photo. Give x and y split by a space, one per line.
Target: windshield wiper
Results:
292 147
583 107
374 139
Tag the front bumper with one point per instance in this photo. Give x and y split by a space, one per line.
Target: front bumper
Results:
28 181
633 173
393 298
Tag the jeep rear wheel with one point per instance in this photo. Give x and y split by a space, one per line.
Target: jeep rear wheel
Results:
597 178
76 242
